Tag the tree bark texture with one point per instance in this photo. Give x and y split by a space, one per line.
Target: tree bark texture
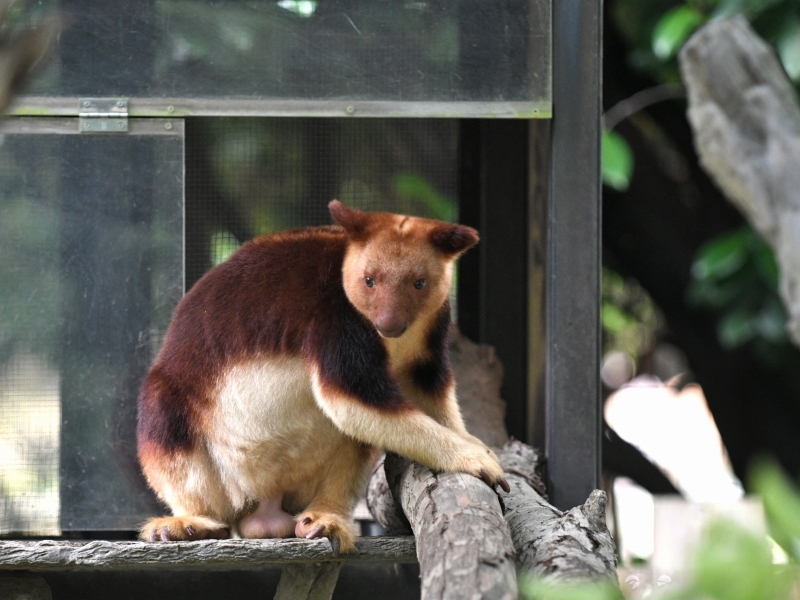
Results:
463 542
746 122
380 501
203 554
569 546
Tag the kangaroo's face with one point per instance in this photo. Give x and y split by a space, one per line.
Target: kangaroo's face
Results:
397 268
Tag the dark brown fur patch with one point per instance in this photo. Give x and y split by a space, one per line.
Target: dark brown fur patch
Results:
454 239
434 375
279 294
350 357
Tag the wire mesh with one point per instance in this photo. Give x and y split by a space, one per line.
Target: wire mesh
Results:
30 419
247 177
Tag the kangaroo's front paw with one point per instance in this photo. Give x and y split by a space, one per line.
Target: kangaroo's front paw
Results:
171 529
314 524
478 459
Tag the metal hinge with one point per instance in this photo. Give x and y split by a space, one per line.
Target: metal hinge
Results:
103 115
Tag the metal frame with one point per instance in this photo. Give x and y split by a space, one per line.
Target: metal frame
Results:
271 107
573 427
532 291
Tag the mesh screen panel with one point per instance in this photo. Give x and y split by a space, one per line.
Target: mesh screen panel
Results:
247 177
30 418
90 271
91 261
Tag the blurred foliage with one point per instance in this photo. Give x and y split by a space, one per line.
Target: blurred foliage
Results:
781 500
274 174
736 276
538 589
629 317
655 30
731 562
617 161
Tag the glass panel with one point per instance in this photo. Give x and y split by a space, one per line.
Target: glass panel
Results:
452 51
91 267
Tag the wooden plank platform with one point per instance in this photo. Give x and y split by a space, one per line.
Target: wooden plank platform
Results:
206 554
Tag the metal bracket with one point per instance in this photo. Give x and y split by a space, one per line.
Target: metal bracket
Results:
103 115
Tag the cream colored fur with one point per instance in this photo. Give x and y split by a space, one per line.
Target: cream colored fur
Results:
266 439
413 434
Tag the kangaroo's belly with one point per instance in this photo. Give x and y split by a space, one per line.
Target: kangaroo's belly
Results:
266 434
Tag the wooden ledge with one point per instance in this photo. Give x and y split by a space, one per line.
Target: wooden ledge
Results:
206 554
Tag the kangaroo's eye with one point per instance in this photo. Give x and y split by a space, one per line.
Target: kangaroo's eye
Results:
419 284
369 282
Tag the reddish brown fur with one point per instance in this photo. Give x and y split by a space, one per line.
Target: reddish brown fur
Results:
375 360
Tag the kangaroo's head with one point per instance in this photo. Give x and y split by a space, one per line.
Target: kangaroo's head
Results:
398 269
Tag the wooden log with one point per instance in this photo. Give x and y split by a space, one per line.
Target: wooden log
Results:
204 554
746 122
382 505
463 543
558 546
569 546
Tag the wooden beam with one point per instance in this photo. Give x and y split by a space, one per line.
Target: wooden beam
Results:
205 554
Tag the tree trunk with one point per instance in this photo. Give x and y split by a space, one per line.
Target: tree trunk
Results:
746 123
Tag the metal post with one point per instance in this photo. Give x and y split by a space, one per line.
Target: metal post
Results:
572 439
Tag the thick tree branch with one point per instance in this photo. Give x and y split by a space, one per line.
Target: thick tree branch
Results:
463 543
746 123
568 546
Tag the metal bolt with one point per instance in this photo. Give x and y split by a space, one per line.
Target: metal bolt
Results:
120 103
170 109
350 110
87 104
120 125
168 126
86 125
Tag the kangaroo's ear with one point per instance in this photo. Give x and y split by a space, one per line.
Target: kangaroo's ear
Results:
454 240
353 221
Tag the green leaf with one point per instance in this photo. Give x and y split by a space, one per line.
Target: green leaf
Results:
617 161
412 186
223 244
536 589
723 255
766 265
736 327
733 564
781 503
788 46
613 318
673 28
718 294
771 321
